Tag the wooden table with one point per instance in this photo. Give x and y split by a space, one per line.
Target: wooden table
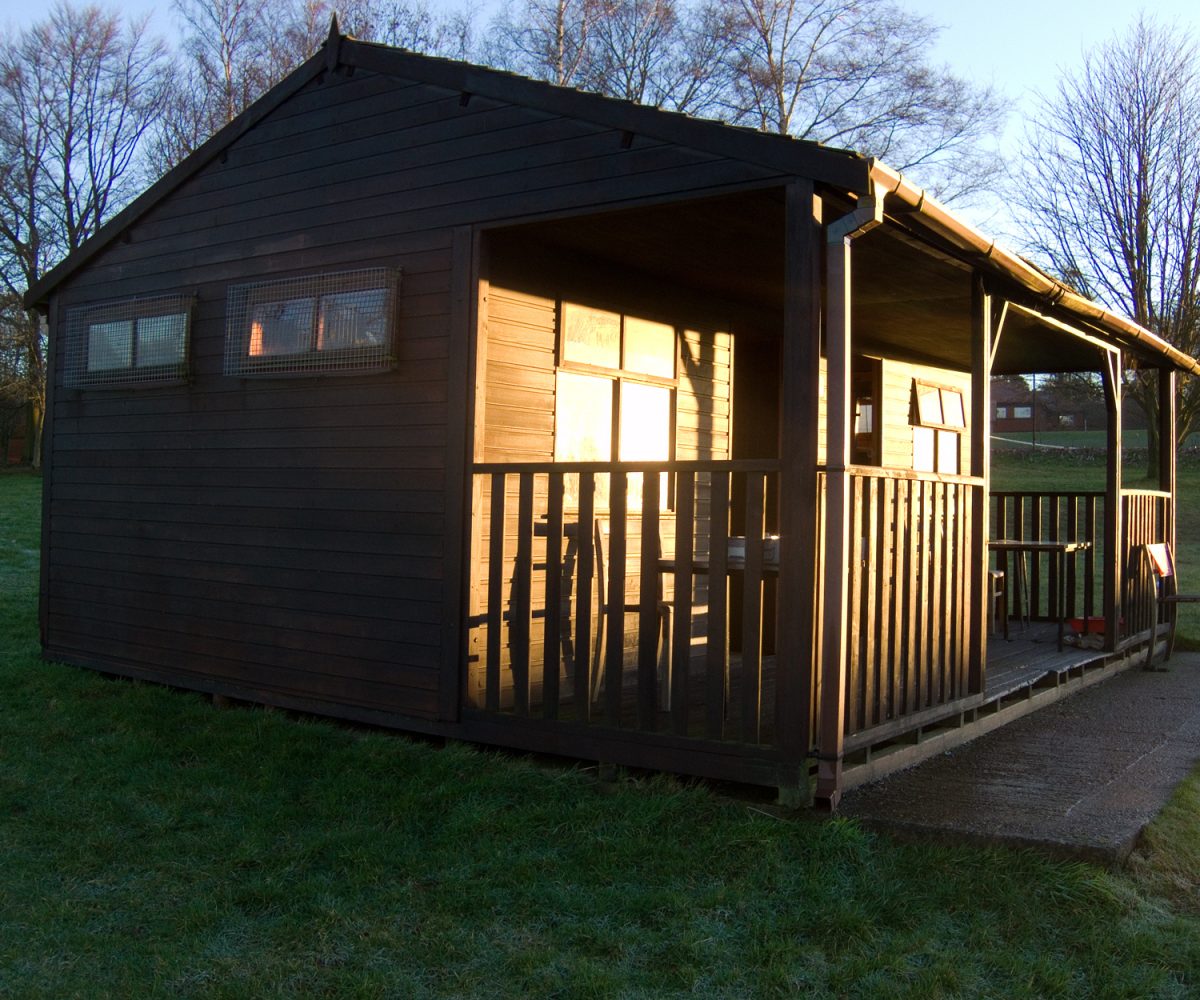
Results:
1057 551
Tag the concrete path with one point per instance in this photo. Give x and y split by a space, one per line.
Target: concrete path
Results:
1080 778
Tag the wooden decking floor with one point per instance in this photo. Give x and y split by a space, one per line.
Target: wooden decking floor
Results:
1030 656
1028 659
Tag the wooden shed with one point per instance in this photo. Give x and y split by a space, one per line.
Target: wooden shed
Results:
436 397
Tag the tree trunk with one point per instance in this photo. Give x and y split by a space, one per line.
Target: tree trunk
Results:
33 434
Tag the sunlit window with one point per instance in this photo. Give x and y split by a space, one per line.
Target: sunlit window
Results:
939 419
320 323
615 395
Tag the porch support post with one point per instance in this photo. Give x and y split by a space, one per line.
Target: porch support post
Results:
981 411
1166 447
800 363
1113 554
839 236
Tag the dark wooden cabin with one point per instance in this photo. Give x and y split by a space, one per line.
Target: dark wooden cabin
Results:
436 397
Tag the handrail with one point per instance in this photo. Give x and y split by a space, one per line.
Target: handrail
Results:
726 465
1049 493
878 472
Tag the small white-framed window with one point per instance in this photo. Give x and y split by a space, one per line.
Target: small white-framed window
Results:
1022 412
939 419
128 342
311 325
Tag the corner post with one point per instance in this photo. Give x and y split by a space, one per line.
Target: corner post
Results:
1113 537
981 412
460 480
800 358
838 238
1166 447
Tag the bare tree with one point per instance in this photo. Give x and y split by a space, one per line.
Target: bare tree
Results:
78 91
235 50
1112 192
545 39
855 73
230 52
656 52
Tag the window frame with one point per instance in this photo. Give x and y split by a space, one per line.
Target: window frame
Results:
82 320
619 378
243 299
940 431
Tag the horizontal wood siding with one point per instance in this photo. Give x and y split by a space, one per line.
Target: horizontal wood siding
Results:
896 410
289 536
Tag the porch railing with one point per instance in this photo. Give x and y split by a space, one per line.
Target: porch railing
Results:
678 641
1056 517
909 593
1145 517
1079 517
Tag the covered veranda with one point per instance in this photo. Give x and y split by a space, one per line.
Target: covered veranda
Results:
805 577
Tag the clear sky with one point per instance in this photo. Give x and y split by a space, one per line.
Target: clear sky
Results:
1018 46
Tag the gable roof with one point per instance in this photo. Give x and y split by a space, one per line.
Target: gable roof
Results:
837 167
842 169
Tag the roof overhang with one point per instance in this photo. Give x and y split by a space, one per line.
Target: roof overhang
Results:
1053 304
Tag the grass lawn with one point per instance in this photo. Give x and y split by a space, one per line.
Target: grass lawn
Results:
153 846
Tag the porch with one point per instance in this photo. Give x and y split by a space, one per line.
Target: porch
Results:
721 528
667 617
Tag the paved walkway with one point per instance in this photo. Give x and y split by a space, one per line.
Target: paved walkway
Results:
1080 778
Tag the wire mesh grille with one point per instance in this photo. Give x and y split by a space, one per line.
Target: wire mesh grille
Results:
316 324
131 342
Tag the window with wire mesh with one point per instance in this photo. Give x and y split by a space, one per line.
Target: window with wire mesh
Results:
312 325
128 343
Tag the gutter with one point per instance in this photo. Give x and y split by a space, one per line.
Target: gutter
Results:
892 183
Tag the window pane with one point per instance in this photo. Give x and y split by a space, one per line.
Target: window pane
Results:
645 434
952 408
110 345
649 347
281 327
929 404
645 422
161 339
583 429
1022 412
591 336
353 319
923 449
947 452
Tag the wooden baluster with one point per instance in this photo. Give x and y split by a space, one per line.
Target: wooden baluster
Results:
853 715
907 593
717 652
614 642
1089 557
869 605
585 563
552 635
520 612
918 575
495 595
648 606
681 638
752 611
889 681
